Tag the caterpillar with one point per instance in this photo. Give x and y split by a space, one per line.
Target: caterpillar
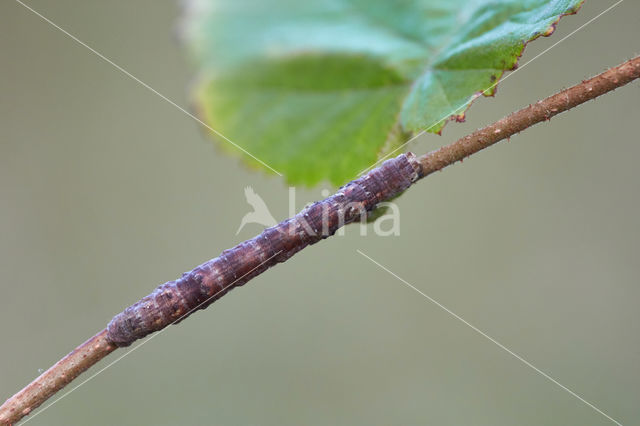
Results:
173 301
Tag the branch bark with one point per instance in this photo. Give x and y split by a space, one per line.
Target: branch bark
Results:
542 110
102 344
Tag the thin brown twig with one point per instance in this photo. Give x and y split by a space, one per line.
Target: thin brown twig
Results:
56 377
99 346
542 110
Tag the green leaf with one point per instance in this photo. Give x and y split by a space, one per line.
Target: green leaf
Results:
320 89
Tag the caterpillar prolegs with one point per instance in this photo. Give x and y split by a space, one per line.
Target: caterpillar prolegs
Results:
175 300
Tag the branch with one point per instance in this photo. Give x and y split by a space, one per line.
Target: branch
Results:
55 378
542 110
175 300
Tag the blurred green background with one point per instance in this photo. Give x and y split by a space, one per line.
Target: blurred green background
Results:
106 191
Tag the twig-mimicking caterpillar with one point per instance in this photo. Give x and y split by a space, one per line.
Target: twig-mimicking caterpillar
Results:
175 300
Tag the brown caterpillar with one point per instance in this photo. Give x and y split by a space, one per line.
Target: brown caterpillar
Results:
175 300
